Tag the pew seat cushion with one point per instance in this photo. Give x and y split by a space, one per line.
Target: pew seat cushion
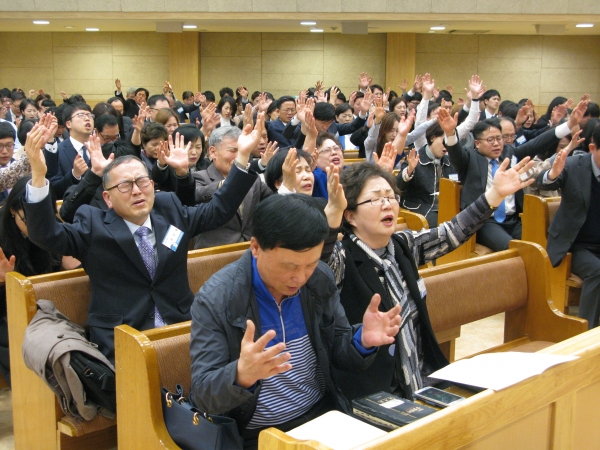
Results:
482 250
174 362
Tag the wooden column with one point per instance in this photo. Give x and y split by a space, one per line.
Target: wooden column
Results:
184 62
400 59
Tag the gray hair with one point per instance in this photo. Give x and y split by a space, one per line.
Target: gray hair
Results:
131 90
221 133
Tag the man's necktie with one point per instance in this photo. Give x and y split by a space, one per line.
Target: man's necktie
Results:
500 213
86 158
149 258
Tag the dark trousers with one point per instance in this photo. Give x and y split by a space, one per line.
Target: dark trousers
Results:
586 265
496 235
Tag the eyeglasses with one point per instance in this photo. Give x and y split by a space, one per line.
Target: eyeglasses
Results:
509 137
378 201
109 137
287 110
8 146
83 115
22 217
127 186
327 150
491 139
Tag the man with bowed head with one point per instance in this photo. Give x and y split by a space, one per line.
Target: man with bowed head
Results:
268 329
136 252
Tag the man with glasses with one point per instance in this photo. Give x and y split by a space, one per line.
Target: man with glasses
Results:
73 158
156 103
476 169
136 252
107 128
4 112
7 148
286 106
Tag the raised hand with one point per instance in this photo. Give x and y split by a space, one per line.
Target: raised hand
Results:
256 362
575 141
418 84
413 160
364 81
475 85
436 92
450 89
558 165
577 114
318 86
175 154
263 102
241 90
199 98
352 98
509 181
428 84
403 86
447 122
379 328
34 148
6 265
379 111
585 97
558 113
249 139
388 157
406 123
208 111
333 93
248 117
31 93
270 151
289 169
309 106
336 203
99 162
523 113
118 85
365 103
79 166
64 95
138 121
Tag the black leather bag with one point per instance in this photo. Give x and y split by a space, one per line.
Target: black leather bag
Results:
192 429
97 378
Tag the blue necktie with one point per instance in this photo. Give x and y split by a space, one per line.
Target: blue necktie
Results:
500 213
86 158
149 258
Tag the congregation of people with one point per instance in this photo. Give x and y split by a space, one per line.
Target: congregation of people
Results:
327 304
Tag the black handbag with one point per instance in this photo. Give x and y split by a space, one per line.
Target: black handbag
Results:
192 429
98 380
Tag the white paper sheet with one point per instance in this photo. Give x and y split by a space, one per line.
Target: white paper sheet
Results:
337 430
499 370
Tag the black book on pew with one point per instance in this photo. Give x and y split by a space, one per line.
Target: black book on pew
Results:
389 411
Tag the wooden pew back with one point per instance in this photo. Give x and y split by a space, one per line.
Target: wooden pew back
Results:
36 413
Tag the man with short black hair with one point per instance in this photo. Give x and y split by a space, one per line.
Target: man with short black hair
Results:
268 330
16 97
156 103
72 156
132 105
286 106
7 149
107 128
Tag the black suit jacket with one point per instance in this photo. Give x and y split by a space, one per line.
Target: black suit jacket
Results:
64 178
121 288
130 108
294 131
575 183
275 133
472 166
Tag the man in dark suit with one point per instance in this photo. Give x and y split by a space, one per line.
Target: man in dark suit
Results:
576 225
132 105
286 106
223 148
136 252
324 114
72 157
476 169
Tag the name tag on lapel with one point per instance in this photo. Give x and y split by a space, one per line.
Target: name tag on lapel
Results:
172 238
453 177
513 161
521 140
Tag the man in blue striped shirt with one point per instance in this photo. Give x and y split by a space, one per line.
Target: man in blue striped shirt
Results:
267 329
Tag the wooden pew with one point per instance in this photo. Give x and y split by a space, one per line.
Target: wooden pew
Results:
458 293
538 213
556 410
350 161
448 207
38 421
350 154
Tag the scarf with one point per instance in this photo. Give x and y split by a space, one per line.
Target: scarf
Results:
407 338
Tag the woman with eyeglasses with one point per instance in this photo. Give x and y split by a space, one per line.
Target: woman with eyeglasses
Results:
19 254
373 259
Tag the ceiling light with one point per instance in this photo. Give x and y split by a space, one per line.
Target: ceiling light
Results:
41 22
308 23
92 29
579 25
190 27
316 30
440 28
69 26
